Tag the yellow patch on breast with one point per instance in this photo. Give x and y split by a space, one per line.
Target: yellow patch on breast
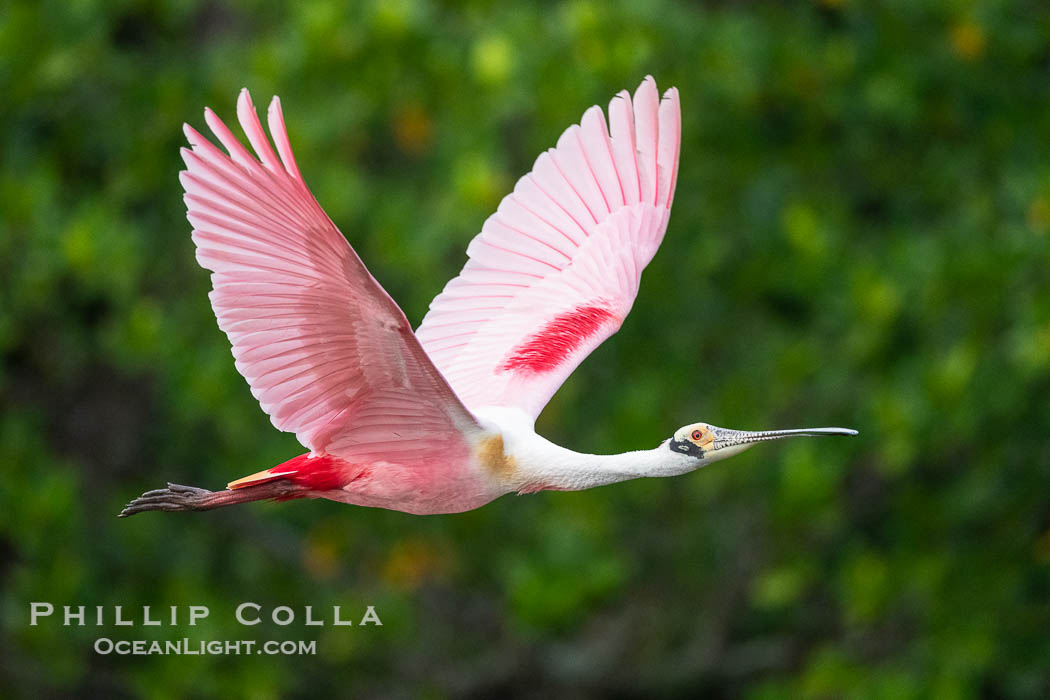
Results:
494 460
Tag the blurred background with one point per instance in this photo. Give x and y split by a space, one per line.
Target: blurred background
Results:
861 237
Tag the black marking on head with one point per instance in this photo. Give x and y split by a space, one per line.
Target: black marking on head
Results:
687 448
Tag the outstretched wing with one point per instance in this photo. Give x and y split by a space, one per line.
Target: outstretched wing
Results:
556 269
326 351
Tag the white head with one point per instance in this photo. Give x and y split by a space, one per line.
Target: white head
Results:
708 443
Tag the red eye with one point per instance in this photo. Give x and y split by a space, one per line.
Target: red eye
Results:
697 435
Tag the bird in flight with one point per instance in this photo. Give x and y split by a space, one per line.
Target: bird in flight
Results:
439 420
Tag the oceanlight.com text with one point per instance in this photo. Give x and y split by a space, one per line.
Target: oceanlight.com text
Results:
188 647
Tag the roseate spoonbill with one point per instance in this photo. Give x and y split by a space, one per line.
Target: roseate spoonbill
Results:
440 420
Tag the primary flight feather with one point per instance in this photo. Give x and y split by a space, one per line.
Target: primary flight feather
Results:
440 420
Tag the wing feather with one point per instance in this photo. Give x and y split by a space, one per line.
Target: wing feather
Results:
556 269
325 351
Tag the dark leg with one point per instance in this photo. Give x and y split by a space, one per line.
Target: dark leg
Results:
177 497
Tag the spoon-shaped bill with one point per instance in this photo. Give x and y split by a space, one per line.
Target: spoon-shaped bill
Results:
726 438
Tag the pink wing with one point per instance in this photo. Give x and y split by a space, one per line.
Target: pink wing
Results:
556 269
326 351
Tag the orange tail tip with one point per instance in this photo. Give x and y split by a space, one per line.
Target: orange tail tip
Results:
256 478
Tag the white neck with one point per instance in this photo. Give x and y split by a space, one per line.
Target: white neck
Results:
574 471
544 465
540 464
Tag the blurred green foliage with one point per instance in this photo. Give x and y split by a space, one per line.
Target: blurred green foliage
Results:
861 236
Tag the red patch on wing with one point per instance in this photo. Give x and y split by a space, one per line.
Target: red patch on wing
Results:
548 348
320 473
